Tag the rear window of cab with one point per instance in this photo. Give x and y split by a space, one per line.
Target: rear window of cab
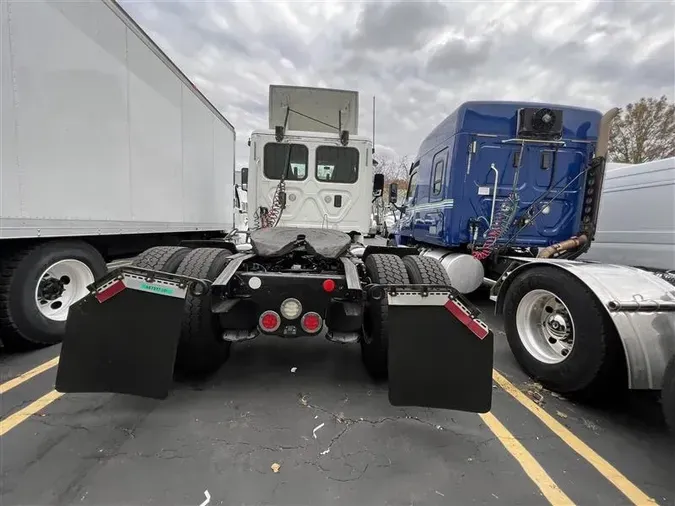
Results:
337 164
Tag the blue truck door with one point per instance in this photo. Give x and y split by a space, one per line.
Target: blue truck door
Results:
430 216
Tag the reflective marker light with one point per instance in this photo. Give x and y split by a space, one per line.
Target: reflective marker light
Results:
291 309
269 321
311 323
328 285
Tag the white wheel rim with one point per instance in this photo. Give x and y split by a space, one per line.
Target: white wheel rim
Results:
545 326
60 286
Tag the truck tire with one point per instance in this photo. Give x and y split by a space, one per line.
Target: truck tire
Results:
426 271
561 335
201 349
161 258
668 395
37 286
382 269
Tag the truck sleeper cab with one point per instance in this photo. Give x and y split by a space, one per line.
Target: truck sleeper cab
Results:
485 155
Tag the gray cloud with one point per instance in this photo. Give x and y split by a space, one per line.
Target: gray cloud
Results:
397 25
459 55
420 59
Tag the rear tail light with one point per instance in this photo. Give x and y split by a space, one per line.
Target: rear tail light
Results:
269 321
311 323
328 285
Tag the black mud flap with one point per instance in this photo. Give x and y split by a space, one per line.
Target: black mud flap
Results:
123 336
440 353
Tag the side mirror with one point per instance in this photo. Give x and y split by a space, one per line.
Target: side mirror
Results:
393 193
378 185
244 178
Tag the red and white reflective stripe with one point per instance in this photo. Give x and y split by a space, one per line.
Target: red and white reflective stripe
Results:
110 291
458 310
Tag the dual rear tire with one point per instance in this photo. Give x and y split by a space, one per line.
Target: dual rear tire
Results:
201 349
390 269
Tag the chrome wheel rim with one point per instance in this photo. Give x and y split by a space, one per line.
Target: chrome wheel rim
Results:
545 326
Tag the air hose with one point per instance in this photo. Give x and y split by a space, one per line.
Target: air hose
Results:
500 225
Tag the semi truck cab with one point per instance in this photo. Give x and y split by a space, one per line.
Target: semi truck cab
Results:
310 167
489 155
326 182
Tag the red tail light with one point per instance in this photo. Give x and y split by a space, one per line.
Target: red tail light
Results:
269 321
311 323
328 285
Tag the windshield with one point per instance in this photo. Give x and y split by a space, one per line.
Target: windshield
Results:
337 164
276 158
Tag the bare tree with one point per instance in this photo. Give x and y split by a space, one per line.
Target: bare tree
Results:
644 131
394 169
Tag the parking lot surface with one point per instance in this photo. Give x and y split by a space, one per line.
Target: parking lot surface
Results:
298 422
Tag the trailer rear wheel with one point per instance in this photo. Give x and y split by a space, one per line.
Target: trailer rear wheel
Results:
201 349
381 269
426 271
560 334
161 258
668 395
38 285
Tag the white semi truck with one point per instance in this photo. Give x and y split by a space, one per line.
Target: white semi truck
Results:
107 149
310 167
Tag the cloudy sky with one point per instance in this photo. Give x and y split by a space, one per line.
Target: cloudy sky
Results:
420 60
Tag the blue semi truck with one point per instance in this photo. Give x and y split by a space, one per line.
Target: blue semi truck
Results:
507 195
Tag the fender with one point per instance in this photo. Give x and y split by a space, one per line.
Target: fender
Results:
647 336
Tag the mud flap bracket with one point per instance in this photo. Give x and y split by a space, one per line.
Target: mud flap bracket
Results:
440 353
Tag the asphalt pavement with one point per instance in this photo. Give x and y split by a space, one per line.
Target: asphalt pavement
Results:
298 422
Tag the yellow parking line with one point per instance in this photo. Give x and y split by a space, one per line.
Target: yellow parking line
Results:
15 419
629 489
529 464
15 382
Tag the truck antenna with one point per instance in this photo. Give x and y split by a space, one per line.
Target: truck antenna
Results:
373 124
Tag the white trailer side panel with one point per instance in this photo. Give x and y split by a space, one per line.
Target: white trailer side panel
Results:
101 133
636 222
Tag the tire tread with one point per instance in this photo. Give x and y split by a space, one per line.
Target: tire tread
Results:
389 270
199 351
426 270
161 258
11 336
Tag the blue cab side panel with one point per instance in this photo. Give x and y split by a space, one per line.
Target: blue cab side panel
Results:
446 198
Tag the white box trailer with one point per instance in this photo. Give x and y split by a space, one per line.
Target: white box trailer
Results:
636 222
107 149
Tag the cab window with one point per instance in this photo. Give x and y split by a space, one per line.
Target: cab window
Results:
276 160
337 164
412 185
